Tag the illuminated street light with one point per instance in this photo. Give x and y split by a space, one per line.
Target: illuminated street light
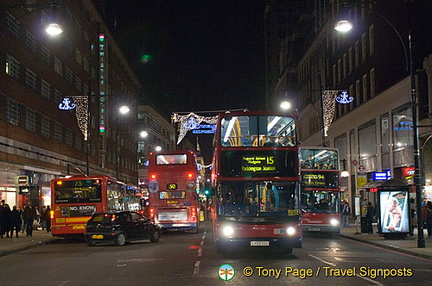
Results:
343 26
285 105
158 148
52 29
143 134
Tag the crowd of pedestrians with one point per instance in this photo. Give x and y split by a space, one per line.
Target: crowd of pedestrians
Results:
16 220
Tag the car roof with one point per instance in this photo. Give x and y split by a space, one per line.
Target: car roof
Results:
114 212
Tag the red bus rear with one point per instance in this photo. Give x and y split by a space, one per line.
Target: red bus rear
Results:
321 189
256 182
173 201
74 200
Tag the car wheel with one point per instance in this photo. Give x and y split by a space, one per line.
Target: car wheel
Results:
120 239
90 242
155 236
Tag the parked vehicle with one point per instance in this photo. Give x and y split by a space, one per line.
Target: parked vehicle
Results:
120 227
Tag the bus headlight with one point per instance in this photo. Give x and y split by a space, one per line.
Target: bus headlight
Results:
334 222
227 230
290 230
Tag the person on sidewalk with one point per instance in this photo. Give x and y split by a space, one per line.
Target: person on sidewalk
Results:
345 213
370 212
47 218
29 215
5 219
15 221
428 218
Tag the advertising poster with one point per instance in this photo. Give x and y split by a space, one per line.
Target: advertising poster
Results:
394 211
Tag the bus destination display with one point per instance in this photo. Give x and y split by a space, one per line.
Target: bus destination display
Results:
320 179
261 163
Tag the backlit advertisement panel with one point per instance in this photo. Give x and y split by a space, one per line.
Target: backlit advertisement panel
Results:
394 211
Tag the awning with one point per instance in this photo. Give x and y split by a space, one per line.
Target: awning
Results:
388 183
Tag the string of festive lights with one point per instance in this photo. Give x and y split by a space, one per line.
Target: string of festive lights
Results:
190 122
82 114
329 108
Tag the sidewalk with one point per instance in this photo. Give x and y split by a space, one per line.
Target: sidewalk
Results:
407 245
10 245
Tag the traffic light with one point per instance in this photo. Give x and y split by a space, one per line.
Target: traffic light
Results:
207 192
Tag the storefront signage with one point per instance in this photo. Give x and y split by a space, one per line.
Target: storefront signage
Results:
380 176
403 125
408 172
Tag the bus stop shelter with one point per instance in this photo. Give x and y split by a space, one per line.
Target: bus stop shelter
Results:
393 208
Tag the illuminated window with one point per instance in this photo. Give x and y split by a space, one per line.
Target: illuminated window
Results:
12 67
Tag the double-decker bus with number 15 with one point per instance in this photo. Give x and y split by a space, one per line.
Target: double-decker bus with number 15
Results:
256 182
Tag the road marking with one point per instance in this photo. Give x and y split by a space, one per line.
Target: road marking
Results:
322 260
199 252
332 264
196 269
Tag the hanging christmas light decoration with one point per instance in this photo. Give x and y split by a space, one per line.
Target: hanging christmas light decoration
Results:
190 122
329 108
82 114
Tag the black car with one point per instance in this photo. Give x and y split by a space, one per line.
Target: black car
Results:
120 228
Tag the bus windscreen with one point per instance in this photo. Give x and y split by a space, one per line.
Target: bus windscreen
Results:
78 191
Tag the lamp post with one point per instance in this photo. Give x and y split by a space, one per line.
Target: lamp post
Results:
123 110
52 29
344 26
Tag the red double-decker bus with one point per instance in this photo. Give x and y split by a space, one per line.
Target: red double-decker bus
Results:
173 200
256 182
320 199
74 199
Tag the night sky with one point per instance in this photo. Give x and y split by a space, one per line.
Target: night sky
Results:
201 55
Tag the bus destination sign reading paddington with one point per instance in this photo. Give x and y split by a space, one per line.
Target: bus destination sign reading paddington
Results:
258 163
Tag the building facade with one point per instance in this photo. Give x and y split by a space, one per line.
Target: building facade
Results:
39 78
374 131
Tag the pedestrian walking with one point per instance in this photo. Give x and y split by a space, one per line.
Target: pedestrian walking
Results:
47 218
29 215
346 210
15 221
370 212
428 218
5 220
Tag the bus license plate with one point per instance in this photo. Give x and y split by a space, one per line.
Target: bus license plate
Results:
97 236
314 229
260 243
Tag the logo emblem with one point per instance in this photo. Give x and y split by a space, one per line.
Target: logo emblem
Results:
226 272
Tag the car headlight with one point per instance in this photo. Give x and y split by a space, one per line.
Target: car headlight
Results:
334 222
227 230
290 230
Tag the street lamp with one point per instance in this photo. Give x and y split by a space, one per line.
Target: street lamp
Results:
52 29
123 110
345 26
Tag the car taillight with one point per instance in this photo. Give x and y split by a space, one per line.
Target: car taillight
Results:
113 218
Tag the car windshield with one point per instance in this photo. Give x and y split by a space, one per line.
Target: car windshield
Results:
103 218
